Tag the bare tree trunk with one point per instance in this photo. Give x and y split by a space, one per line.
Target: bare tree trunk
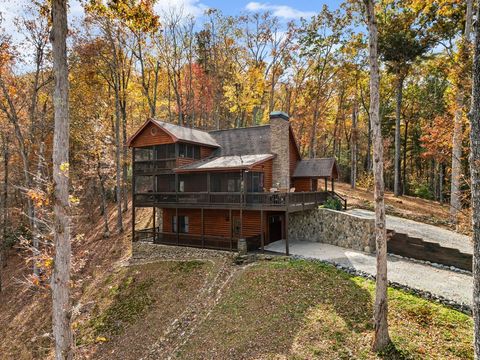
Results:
455 192
312 148
354 147
101 180
36 220
5 156
397 186
382 338
124 158
118 160
440 183
404 164
11 113
474 117
61 305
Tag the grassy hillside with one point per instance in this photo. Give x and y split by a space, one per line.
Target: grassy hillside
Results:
198 305
269 310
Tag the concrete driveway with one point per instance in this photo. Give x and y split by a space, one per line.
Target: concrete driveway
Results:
451 285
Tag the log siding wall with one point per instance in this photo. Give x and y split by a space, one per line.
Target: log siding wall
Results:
216 222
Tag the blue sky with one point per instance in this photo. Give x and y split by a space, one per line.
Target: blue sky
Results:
285 10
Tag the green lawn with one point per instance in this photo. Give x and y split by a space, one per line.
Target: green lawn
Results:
304 310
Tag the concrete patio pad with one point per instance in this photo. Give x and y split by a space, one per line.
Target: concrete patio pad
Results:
451 285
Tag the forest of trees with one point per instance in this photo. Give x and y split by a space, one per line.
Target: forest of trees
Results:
128 62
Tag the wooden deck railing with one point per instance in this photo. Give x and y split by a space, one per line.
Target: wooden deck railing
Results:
261 199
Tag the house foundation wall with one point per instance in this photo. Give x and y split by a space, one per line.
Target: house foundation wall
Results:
333 227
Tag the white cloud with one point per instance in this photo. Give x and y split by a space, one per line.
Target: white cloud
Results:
282 11
188 7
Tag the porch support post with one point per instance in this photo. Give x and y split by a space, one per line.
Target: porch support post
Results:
287 250
208 184
262 238
326 184
231 230
333 185
133 194
154 225
176 225
133 220
203 227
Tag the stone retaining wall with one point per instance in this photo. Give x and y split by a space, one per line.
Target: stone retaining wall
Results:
333 227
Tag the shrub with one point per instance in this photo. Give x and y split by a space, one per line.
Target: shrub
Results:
423 191
333 203
366 181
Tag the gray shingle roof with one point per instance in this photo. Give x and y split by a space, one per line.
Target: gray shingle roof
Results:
319 168
188 134
221 162
243 141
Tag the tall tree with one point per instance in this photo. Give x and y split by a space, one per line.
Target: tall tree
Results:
382 338
403 39
457 141
61 307
4 200
474 117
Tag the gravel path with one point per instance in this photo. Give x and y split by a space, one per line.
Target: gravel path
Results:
449 284
426 232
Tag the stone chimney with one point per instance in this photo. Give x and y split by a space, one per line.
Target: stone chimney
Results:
279 145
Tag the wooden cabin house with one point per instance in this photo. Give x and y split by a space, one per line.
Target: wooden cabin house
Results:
210 188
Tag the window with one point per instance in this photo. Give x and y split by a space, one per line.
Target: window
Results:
182 150
196 152
165 151
143 184
181 185
189 151
182 224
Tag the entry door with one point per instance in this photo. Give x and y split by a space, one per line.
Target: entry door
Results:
275 227
236 225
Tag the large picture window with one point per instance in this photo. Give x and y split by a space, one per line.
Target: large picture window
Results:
182 224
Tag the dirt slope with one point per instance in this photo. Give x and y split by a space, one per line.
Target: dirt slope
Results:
25 324
409 207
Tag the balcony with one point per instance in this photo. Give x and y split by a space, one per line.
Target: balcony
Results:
295 201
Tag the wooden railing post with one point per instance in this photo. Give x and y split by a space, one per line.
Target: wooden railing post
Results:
154 224
203 228
262 240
